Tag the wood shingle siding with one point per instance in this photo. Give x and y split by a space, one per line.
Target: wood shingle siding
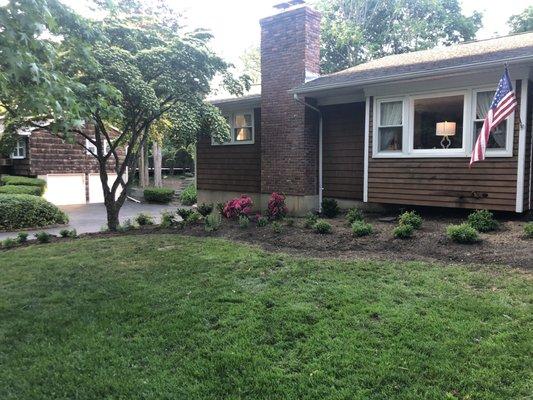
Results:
343 150
445 182
233 168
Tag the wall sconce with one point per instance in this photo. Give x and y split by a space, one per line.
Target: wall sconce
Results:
445 129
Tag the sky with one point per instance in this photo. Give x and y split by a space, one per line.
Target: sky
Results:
235 23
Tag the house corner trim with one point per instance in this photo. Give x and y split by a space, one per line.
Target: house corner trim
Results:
521 148
367 133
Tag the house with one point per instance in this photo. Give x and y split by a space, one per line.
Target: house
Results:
396 130
70 171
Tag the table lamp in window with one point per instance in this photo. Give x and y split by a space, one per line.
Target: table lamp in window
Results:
446 129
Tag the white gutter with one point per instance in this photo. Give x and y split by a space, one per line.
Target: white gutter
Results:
407 75
320 133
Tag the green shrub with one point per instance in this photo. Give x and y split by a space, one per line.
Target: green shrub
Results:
184 213
322 227
276 227
68 233
482 221
21 189
213 222
290 222
528 229
126 226
354 214
19 211
463 233
403 231
330 208
188 196
262 221
22 180
310 220
205 209
143 219
194 217
22 237
167 219
43 237
158 195
361 228
244 221
411 218
9 243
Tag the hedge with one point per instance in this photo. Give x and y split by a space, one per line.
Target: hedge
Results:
22 180
19 211
158 195
21 189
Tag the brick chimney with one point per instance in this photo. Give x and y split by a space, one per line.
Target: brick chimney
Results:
290 52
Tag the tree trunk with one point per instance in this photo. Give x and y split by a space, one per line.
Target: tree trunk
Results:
112 213
144 177
158 160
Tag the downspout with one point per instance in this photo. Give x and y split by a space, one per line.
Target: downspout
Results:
320 132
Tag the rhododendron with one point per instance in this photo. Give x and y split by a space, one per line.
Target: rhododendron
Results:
276 208
237 207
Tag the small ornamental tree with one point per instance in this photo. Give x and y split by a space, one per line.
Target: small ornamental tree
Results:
241 206
276 208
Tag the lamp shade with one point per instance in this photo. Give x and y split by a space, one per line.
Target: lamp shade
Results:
446 128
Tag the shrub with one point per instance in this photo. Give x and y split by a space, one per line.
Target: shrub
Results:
276 208
361 228
184 213
188 195
290 222
220 208
205 209
9 243
143 219
528 229
244 221
404 231
276 227
67 233
25 211
158 195
463 233
322 227
262 221
238 206
43 237
194 217
330 208
22 180
482 221
310 220
21 189
354 214
22 237
167 219
213 222
411 218
126 226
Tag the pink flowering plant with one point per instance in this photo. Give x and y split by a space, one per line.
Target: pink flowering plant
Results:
276 208
238 207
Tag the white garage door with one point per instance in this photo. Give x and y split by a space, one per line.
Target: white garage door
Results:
96 194
65 189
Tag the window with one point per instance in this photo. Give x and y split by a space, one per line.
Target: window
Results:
390 126
92 147
19 152
438 123
498 137
242 128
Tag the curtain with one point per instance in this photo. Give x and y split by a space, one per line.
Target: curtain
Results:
483 101
483 104
390 115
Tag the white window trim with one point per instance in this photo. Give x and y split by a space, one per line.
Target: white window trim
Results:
408 128
20 145
89 145
232 140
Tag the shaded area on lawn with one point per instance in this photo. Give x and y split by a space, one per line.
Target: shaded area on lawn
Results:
163 316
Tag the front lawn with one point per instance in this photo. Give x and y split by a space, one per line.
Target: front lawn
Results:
168 316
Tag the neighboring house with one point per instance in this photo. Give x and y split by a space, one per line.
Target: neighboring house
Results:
70 171
376 139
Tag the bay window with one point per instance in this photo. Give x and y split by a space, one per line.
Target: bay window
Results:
242 128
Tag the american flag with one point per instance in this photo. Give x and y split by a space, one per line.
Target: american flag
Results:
503 104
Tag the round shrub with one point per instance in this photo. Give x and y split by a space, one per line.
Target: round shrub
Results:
262 221
184 213
463 233
205 209
213 222
403 231
238 206
158 195
276 208
322 227
276 227
193 218
411 218
482 221
22 180
43 237
354 214
310 220
528 229
188 196
21 189
144 219
19 211
330 208
244 221
9 243
361 228
22 237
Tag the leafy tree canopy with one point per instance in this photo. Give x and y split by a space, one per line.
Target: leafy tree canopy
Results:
522 22
355 31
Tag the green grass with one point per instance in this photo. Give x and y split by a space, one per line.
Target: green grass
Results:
164 316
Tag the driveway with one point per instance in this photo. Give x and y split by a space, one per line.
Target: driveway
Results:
86 218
